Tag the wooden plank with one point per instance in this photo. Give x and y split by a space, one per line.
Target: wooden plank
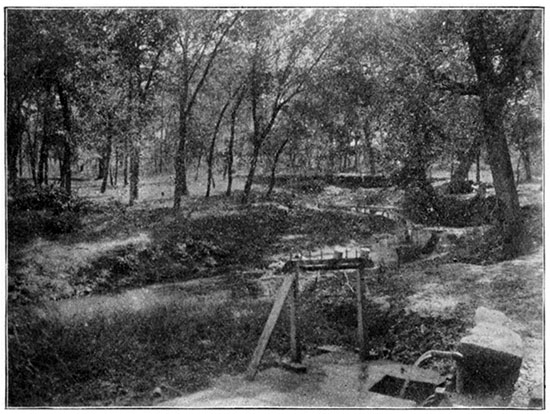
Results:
332 261
268 328
328 264
331 266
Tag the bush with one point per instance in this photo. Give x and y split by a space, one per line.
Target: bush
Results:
422 205
425 206
54 199
24 225
487 247
308 185
47 211
461 187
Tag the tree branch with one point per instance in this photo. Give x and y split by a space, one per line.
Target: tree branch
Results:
210 62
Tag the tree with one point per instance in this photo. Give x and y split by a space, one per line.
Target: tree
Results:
201 35
231 141
523 126
140 38
42 58
282 58
504 48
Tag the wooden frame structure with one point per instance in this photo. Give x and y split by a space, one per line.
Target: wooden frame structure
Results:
289 292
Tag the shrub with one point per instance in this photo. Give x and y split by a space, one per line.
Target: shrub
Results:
47 211
54 199
424 205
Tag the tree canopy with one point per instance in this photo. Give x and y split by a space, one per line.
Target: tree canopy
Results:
315 90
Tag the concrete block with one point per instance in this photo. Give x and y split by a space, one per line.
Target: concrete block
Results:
492 359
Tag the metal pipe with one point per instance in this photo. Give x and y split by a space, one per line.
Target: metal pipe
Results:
427 355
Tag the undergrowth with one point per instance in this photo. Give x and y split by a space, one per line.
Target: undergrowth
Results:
179 347
120 359
487 247
48 211
391 332
424 205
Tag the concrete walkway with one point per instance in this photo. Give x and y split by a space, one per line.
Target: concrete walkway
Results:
332 380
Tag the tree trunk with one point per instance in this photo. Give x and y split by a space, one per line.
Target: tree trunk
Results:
370 147
180 188
459 177
492 105
231 142
198 167
15 130
518 164
116 167
125 161
65 170
134 173
274 167
229 166
494 88
107 162
212 149
43 163
251 171
161 154
101 168
372 159
46 139
32 153
21 156
526 160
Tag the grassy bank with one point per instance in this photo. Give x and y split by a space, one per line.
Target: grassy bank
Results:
141 357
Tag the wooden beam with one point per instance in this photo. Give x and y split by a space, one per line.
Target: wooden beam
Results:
328 264
360 323
295 354
268 328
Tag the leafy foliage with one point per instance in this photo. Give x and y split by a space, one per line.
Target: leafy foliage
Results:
50 198
486 248
426 206
48 211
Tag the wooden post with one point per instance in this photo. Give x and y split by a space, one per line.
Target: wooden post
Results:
360 322
268 329
360 306
295 352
